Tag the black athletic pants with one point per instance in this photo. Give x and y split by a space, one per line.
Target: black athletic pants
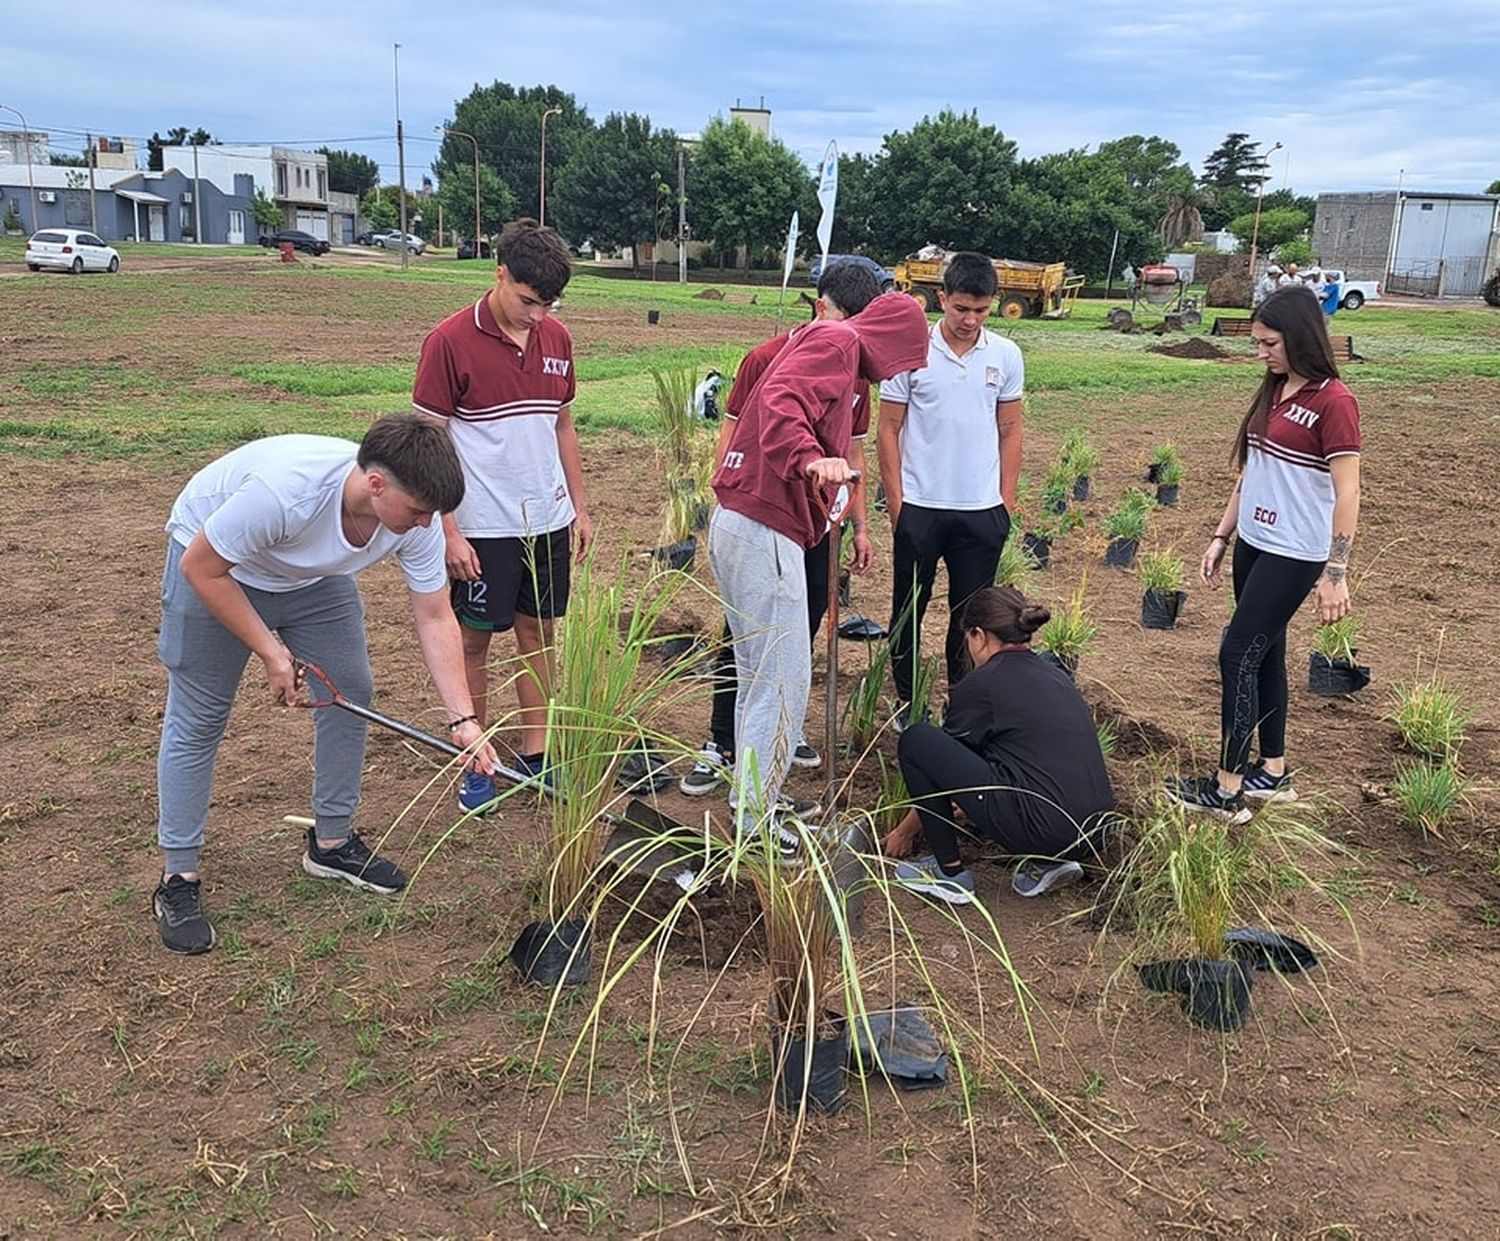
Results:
940 772
1268 590
969 544
726 684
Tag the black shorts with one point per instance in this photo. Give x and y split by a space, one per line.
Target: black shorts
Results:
529 576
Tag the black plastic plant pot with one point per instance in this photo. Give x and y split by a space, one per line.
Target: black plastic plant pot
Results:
677 555
1120 554
1159 608
820 1079
1068 663
653 317
1056 505
1166 494
1329 678
548 953
1081 488
700 516
1214 994
1039 546
1153 472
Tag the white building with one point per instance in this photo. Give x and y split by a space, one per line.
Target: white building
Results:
296 181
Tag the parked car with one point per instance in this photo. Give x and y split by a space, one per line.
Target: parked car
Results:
299 240
1352 293
885 275
366 238
390 239
70 249
466 251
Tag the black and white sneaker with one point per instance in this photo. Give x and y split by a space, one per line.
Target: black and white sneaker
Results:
1203 793
785 836
352 862
179 916
805 756
1039 878
797 807
708 773
1261 785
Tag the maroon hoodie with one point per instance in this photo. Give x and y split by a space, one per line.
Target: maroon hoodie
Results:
802 409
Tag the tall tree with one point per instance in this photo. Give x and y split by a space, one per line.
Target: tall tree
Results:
946 181
747 186
1278 225
608 190
349 172
854 219
1236 163
497 205
507 121
1492 188
177 136
1068 206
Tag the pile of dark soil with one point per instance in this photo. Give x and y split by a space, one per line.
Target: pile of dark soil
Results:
1195 347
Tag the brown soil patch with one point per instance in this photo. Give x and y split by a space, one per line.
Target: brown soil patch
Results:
1195 347
375 1067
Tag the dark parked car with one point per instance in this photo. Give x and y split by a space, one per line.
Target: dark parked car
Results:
884 275
466 251
366 238
299 240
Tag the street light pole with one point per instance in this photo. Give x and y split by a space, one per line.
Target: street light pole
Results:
1260 190
400 154
30 176
681 215
445 129
541 215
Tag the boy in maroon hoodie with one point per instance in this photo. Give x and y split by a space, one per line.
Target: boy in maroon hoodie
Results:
785 460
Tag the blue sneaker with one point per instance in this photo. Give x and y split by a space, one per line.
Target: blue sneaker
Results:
475 792
535 770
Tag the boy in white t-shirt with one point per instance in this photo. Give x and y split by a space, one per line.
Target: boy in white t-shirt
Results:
264 544
949 441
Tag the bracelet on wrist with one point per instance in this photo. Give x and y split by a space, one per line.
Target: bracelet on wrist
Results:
462 719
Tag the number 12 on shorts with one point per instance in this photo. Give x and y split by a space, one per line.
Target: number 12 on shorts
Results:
478 590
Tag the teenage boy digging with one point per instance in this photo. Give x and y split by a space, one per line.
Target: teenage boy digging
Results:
499 376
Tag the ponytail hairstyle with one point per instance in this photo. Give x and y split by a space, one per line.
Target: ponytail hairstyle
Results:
1005 612
1298 316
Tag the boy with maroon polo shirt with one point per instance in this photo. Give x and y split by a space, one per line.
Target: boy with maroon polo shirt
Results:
499 376
785 454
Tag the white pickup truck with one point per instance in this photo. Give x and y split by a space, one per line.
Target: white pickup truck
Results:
1352 293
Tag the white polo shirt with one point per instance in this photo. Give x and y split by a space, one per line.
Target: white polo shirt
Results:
950 444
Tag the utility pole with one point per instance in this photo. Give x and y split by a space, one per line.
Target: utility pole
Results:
541 217
681 216
401 158
197 201
93 205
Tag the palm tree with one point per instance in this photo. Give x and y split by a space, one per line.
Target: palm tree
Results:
1183 219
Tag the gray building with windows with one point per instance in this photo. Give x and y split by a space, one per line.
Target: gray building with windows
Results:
1434 245
124 205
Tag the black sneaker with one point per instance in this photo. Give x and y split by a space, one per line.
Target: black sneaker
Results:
805 756
179 917
352 862
1203 793
1261 785
709 772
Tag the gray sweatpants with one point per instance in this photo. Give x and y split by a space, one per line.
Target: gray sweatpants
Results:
323 623
763 579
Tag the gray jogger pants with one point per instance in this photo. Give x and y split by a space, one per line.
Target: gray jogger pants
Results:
323 623
763 579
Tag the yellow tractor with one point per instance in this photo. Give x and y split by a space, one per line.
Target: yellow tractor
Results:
1027 290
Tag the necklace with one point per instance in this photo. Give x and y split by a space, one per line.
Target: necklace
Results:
354 529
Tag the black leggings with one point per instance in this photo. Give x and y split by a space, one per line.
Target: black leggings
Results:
940 772
726 682
1268 590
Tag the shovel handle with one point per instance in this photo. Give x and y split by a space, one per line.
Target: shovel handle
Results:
312 672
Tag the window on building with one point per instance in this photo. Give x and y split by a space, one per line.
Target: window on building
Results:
76 208
281 180
185 221
322 184
1426 206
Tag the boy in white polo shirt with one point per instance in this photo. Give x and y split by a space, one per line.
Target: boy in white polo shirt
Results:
949 444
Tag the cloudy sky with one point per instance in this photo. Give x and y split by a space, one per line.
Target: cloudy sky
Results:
1358 94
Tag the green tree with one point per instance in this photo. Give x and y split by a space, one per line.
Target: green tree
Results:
1068 206
1182 216
1236 163
177 136
59 159
857 208
945 181
265 213
349 172
746 188
379 210
497 204
1492 188
607 192
1277 226
507 122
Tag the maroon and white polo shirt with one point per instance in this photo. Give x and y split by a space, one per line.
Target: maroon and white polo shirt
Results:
501 406
1286 496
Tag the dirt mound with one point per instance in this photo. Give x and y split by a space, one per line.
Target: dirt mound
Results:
1195 347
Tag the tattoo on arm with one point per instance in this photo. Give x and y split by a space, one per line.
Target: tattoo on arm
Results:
1339 547
1335 573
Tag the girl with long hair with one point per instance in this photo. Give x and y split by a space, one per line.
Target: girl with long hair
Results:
1294 510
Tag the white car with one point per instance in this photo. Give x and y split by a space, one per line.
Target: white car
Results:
70 249
390 239
1352 293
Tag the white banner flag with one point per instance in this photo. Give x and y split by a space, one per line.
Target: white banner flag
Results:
792 233
828 193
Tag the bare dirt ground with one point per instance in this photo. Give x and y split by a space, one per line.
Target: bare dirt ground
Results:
342 1064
